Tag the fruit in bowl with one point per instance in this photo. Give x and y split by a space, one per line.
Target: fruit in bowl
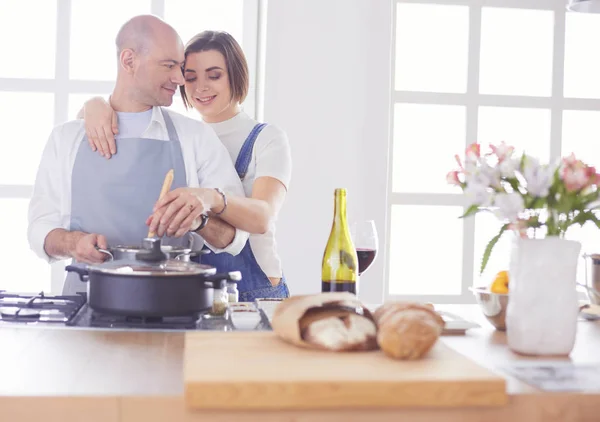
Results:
500 284
494 300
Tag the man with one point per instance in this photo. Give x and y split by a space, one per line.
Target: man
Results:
82 201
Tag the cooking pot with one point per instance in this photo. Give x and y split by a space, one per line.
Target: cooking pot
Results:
120 252
151 284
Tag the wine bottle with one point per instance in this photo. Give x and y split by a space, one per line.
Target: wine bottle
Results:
339 269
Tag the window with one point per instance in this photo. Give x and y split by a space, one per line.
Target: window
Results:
65 53
522 71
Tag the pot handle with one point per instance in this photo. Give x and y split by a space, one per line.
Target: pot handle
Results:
193 253
84 274
104 251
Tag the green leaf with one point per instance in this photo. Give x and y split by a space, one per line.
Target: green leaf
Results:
581 218
488 249
473 209
534 202
593 219
533 222
514 183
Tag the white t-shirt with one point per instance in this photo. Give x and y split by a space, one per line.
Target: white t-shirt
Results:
271 157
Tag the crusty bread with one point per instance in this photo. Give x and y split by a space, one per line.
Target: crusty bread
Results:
339 328
343 333
407 330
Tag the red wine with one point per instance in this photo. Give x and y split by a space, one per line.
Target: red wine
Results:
365 258
343 286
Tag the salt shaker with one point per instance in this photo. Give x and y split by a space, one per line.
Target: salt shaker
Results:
220 298
232 291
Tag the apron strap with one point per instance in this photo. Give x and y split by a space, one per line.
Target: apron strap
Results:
243 159
170 127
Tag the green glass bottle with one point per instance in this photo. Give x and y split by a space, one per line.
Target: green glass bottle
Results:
339 269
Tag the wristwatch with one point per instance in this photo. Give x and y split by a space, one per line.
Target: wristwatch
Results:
203 222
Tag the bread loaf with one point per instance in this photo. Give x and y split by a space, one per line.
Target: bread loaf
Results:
407 330
339 328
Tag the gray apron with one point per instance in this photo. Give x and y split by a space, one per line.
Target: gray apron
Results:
115 197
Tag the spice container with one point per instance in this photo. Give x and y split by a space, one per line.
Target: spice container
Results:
232 291
220 298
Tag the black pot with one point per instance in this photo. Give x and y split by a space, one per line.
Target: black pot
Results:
151 285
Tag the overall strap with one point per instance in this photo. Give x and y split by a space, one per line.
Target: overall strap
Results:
243 159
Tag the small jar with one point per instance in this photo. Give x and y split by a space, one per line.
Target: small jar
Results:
220 298
232 292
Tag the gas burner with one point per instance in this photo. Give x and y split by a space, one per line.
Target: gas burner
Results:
34 308
15 312
35 300
98 319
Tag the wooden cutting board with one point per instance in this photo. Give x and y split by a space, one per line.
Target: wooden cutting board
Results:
257 370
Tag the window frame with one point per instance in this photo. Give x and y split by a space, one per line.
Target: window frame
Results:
472 100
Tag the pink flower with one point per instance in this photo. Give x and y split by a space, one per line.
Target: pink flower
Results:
570 161
460 166
519 226
473 152
576 174
453 179
502 151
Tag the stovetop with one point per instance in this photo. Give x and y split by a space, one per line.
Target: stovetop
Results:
42 310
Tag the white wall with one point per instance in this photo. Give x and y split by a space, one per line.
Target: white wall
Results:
327 84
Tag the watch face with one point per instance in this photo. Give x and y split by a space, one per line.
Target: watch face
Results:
203 221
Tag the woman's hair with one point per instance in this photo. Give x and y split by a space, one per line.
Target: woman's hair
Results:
237 67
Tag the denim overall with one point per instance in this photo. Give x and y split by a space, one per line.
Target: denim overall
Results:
254 284
115 197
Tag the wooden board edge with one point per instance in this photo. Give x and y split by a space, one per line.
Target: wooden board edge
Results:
62 408
304 396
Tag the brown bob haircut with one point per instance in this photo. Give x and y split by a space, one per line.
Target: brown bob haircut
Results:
237 67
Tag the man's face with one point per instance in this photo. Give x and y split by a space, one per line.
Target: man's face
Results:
158 72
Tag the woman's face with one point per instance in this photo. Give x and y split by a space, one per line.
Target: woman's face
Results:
207 86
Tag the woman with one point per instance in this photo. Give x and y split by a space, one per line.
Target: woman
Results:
216 84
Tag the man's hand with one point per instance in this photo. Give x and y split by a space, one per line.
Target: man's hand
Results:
84 249
64 244
178 212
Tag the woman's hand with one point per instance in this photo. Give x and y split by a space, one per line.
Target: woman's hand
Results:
178 212
100 126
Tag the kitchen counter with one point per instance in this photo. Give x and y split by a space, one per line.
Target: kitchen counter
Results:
78 375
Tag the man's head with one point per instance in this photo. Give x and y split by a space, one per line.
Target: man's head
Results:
150 59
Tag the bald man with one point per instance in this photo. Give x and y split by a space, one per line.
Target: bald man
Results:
82 201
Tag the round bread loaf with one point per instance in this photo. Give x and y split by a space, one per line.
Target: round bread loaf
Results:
407 330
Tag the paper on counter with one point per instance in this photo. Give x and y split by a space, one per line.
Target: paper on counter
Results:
557 375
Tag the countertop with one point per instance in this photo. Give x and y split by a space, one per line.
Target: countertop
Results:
83 375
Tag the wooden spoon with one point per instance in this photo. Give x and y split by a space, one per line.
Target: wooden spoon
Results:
165 188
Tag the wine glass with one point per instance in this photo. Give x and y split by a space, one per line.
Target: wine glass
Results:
364 237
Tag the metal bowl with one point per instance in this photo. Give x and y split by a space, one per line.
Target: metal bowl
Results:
493 306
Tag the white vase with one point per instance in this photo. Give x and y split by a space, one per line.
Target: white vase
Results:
542 311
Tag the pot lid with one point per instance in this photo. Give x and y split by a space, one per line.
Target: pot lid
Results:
167 268
164 248
152 261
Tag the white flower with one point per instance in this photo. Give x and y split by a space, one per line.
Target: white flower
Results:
509 206
508 167
478 194
483 175
538 178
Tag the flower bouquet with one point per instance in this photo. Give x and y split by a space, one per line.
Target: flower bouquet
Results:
528 197
538 202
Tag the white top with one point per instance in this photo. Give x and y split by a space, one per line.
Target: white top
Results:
133 125
206 165
271 157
